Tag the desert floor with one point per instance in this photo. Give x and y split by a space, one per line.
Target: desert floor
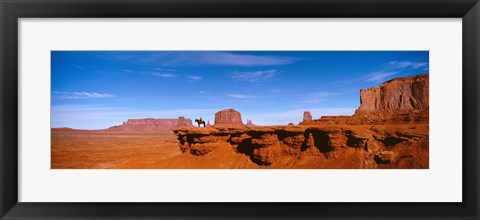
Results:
136 150
90 149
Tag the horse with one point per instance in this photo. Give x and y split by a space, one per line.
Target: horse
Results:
200 122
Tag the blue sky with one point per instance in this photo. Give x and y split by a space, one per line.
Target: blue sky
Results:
99 89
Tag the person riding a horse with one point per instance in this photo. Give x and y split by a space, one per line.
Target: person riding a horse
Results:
200 122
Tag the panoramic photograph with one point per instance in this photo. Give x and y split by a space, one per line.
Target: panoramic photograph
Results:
239 109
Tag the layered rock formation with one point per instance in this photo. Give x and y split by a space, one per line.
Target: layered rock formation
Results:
228 117
406 93
152 125
250 123
184 122
400 100
307 117
397 101
335 146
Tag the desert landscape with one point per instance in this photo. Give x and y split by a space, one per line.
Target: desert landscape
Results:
389 130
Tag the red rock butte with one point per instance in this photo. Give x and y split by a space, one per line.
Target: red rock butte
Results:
250 123
228 118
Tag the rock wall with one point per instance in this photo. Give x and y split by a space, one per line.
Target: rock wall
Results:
184 122
307 117
152 125
405 93
268 145
250 123
228 117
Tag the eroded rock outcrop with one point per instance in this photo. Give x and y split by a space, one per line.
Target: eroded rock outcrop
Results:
398 101
184 122
307 117
405 93
250 123
267 145
152 125
228 118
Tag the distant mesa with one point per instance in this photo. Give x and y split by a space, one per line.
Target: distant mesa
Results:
182 121
307 117
250 123
152 125
228 118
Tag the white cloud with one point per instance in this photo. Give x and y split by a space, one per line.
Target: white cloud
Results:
165 70
78 67
79 108
80 95
254 76
233 59
128 71
165 75
379 76
198 58
407 64
194 78
393 68
240 96
207 95
388 71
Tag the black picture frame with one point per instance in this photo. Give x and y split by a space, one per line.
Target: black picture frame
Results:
12 10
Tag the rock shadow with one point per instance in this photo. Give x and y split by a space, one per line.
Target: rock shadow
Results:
353 141
321 140
391 141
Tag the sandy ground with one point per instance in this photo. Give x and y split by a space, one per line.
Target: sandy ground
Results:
88 149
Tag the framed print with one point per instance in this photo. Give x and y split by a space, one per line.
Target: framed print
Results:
283 101
279 109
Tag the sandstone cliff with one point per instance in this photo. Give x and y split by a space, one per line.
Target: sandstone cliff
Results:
405 93
321 145
397 101
307 117
250 123
228 118
400 100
